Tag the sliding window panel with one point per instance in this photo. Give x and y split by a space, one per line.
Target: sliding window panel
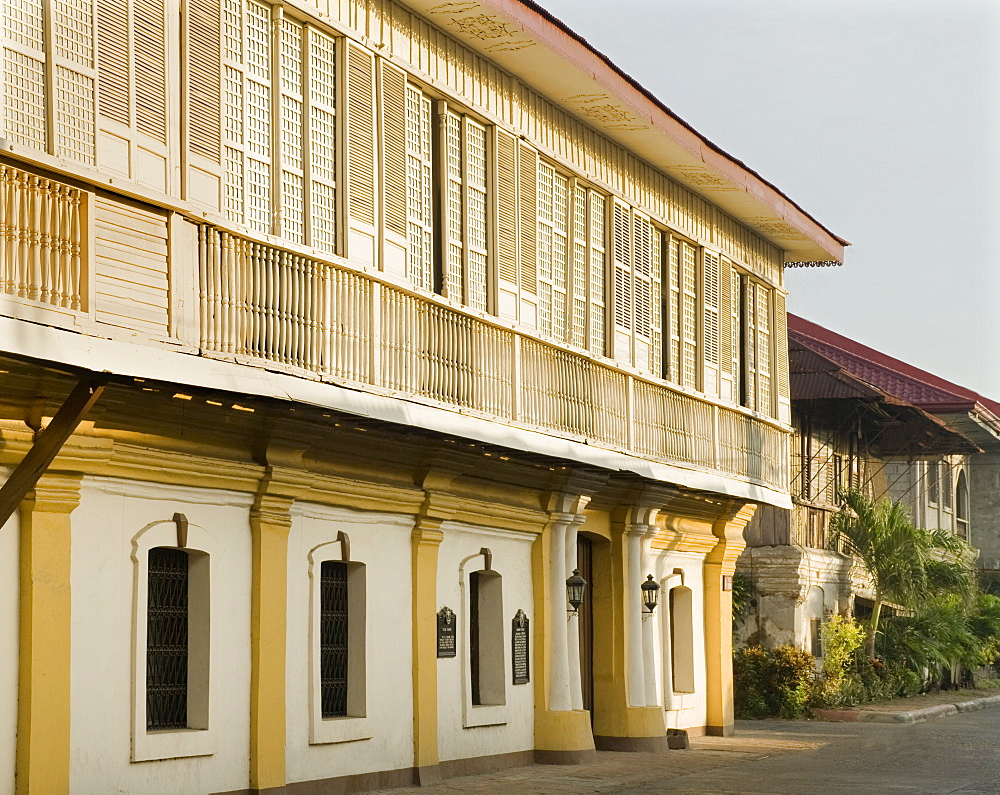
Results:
392 130
360 160
506 220
527 233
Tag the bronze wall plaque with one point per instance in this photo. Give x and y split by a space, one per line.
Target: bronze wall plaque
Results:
519 648
446 632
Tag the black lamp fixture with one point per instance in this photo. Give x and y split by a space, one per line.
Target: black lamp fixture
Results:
575 586
650 594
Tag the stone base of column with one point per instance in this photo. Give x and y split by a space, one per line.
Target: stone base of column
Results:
563 737
427 776
720 731
631 744
631 729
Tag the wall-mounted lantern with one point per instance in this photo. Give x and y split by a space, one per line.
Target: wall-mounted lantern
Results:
650 594
575 586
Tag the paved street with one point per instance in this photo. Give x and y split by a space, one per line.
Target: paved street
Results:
955 754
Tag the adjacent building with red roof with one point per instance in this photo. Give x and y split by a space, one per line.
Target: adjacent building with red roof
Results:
865 419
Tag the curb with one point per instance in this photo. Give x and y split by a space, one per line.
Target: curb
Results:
906 716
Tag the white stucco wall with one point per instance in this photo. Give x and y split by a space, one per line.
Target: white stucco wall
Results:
111 512
681 710
8 650
382 542
512 560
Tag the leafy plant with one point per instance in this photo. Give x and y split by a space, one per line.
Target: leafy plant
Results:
842 636
905 563
772 683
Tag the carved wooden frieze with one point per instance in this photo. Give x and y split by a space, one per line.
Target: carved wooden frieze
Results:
472 21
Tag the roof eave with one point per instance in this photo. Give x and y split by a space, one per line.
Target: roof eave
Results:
544 53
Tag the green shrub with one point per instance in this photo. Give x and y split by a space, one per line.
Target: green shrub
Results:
842 637
751 668
774 683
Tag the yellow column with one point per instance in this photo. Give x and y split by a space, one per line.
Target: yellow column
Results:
270 523
562 734
426 540
719 563
43 709
622 720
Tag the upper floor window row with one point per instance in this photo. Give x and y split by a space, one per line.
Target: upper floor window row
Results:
280 136
314 140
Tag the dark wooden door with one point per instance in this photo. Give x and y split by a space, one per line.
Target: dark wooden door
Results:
585 563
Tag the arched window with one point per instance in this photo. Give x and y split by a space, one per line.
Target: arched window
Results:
338 666
486 650
962 506
167 647
171 660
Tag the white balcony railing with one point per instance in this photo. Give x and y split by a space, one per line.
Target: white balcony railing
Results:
266 303
41 235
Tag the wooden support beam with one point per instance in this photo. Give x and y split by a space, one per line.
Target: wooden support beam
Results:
47 445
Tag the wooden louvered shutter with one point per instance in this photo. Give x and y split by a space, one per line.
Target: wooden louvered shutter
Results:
150 69
598 273
360 154
621 248
726 275
506 220
134 83
393 129
202 105
527 237
780 364
204 81
710 324
114 46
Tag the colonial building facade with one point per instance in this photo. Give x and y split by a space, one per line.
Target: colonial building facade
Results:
858 423
335 339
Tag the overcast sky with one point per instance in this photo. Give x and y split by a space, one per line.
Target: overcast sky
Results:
881 118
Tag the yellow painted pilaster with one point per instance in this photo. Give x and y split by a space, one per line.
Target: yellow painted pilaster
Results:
721 562
562 734
426 540
622 718
43 709
270 523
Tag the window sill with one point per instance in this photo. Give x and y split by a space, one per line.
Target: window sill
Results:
172 744
485 715
328 731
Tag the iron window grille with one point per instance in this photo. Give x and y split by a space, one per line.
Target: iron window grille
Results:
167 640
333 638
474 637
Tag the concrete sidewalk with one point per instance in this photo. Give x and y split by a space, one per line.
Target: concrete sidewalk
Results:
916 709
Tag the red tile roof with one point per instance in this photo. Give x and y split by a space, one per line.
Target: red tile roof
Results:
890 375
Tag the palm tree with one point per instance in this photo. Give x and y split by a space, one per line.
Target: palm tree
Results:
906 564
